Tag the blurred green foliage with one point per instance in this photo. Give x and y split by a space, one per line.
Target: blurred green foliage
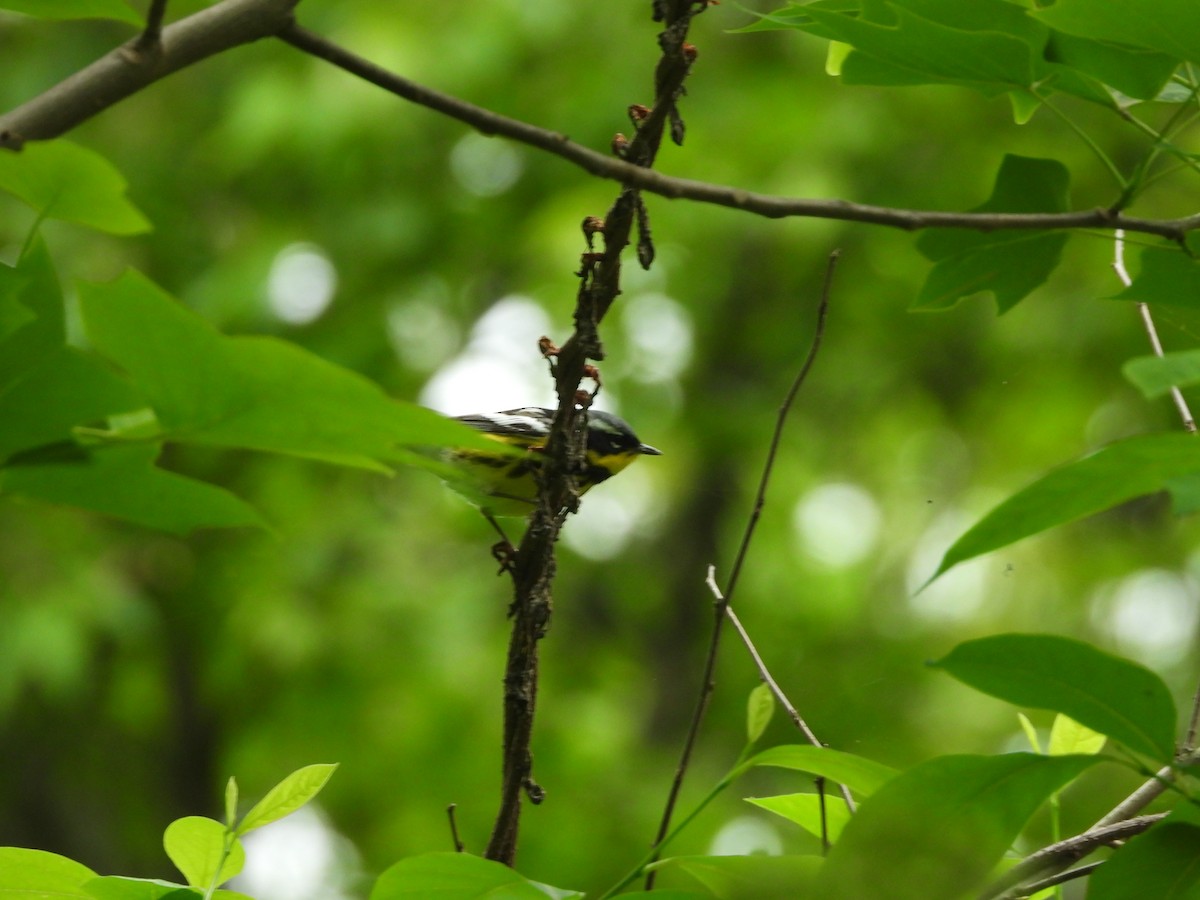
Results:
138 671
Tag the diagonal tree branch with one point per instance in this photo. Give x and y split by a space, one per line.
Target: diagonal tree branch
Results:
770 206
1060 855
231 23
132 66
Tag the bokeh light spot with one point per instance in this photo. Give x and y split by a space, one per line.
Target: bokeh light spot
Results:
837 524
1151 615
659 331
614 513
745 836
297 858
959 593
421 332
485 166
301 283
500 367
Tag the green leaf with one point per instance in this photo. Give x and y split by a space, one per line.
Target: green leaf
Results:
937 830
36 874
74 9
756 877
1136 73
805 811
116 887
258 393
30 293
288 796
760 706
935 43
1009 264
64 181
795 16
1164 26
1168 276
453 876
196 845
1111 475
1154 376
1068 737
66 389
1162 863
14 316
123 482
861 775
1108 694
1185 493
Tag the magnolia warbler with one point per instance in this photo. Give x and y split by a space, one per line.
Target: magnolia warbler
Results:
504 485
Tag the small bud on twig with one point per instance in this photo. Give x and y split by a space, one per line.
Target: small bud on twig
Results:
638 114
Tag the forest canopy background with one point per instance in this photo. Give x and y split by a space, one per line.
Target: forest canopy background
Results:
138 670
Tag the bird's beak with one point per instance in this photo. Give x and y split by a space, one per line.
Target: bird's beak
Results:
647 450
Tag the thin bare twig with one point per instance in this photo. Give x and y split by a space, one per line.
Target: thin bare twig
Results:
232 22
770 206
1146 793
1150 790
1189 423
707 685
1048 860
150 39
1061 854
1029 890
765 674
459 846
1189 741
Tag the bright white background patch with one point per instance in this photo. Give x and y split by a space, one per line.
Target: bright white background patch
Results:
1150 615
301 283
297 858
500 367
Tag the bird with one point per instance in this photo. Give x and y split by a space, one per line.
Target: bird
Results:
505 485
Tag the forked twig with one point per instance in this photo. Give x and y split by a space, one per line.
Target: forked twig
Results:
707 685
151 37
765 674
1060 855
459 846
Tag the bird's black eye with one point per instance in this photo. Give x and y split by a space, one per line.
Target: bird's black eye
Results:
609 435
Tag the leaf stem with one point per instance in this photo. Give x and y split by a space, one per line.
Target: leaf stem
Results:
1088 141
